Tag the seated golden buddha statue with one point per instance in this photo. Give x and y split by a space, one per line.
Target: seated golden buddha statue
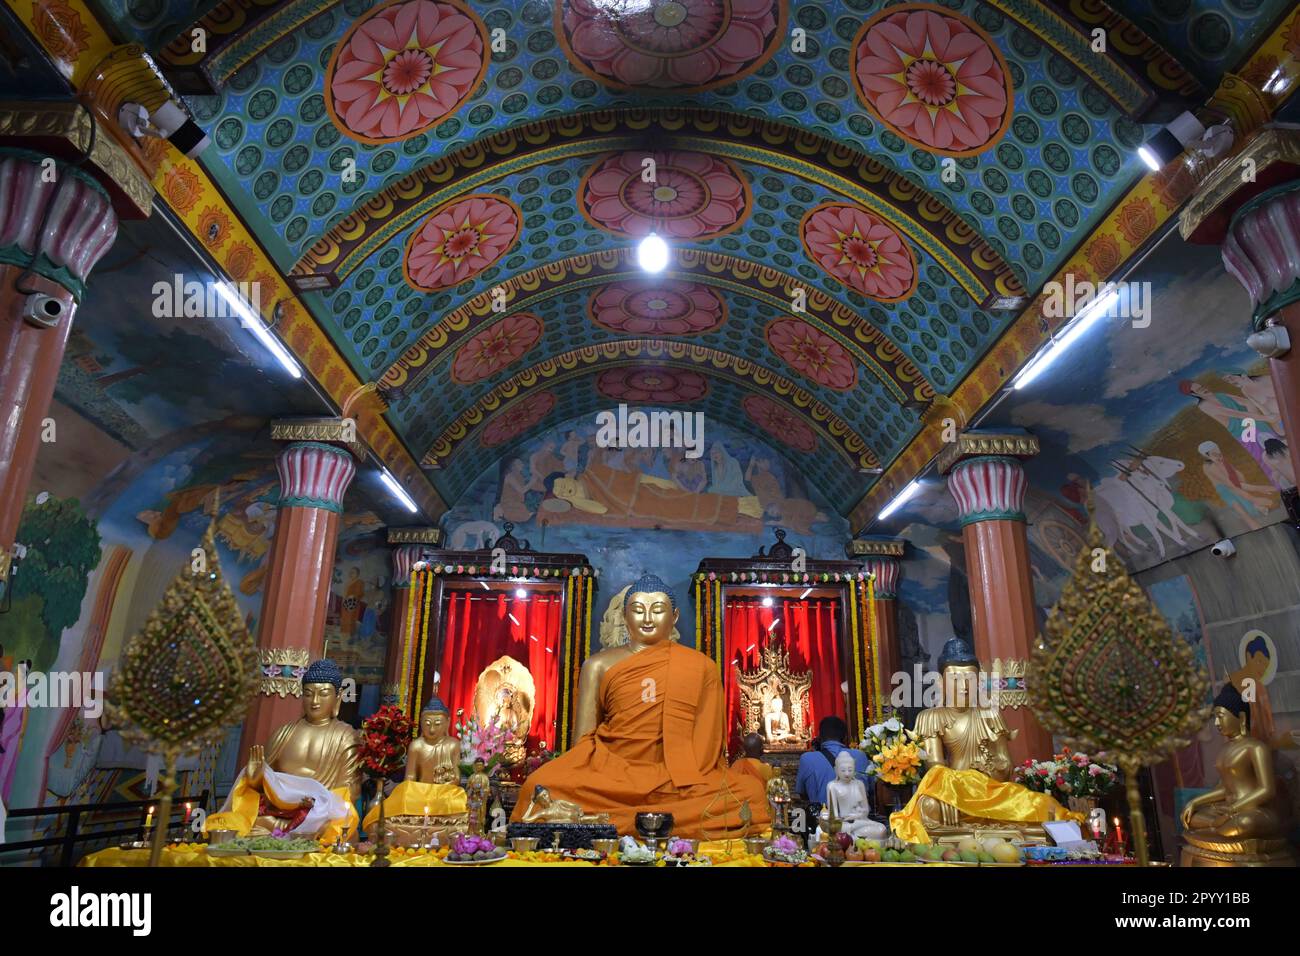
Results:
304 781
649 732
966 787
431 795
1238 822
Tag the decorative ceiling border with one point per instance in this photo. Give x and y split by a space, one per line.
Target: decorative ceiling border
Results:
77 43
596 358
922 216
875 350
1138 215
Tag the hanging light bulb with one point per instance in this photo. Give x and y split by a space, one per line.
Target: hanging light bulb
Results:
652 253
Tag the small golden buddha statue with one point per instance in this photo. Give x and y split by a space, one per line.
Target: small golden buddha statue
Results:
543 808
478 790
1237 823
305 780
430 798
965 745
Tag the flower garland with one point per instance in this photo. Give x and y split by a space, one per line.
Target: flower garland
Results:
385 735
423 638
785 577
514 571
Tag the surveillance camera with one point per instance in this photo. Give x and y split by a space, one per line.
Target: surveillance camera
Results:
43 310
1271 342
1223 549
169 121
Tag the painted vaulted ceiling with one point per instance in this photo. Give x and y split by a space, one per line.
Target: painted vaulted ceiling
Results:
860 196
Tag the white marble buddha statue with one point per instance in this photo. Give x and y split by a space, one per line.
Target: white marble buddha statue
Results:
777 723
846 799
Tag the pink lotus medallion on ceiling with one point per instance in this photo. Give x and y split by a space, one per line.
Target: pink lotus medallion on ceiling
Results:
812 353
934 78
662 308
692 196
781 423
665 386
669 44
860 250
405 67
517 419
460 239
496 347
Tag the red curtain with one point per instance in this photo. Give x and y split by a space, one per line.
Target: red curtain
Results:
809 630
481 627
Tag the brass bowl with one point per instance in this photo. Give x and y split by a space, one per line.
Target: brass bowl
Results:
216 837
755 845
524 844
604 846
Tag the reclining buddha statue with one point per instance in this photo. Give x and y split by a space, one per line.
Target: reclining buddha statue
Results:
304 781
649 732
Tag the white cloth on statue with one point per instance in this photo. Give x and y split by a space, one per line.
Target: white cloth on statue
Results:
288 788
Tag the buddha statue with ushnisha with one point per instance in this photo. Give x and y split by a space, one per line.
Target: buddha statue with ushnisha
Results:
303 781
1239 822
966 786
650 728
431 790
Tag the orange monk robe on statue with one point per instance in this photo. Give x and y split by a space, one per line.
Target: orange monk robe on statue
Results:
658 747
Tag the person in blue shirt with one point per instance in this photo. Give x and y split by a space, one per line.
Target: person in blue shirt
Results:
817 767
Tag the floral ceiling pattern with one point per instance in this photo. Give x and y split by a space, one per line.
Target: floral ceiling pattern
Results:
859 196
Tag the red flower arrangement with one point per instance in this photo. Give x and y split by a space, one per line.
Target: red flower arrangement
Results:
385 736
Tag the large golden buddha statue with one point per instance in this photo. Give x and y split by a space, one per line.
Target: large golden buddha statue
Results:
304 781
431 791
650 732
1237 823
967 786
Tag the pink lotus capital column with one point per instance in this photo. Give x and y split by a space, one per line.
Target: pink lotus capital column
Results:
988 483
411 544
56 222
314 476
1256 222
882 557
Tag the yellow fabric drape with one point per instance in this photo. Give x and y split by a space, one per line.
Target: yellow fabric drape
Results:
976 795
245 801
415 799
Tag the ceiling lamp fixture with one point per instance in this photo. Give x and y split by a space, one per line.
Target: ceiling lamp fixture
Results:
900 499
1169 143
398 491
652 253
254 321
1068 335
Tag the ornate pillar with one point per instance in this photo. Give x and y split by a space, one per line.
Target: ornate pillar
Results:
410 544
988 483
55 223
881 556
1257 225
314 476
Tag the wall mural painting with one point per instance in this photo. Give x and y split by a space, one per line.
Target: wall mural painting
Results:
626 508
358 614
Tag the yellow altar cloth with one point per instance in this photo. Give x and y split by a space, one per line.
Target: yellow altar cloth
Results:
976 795
244 803
196 855
414 799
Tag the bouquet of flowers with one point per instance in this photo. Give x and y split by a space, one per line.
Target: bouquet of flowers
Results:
481 742
385 735
1067 775
895 756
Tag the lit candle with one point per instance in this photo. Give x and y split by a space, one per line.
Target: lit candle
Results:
1119 835
148 819
189 808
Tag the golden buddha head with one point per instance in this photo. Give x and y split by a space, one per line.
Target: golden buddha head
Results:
1231 713
650 610
960 669
322 696
435 719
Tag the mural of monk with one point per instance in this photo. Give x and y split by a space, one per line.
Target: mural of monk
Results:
797 514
